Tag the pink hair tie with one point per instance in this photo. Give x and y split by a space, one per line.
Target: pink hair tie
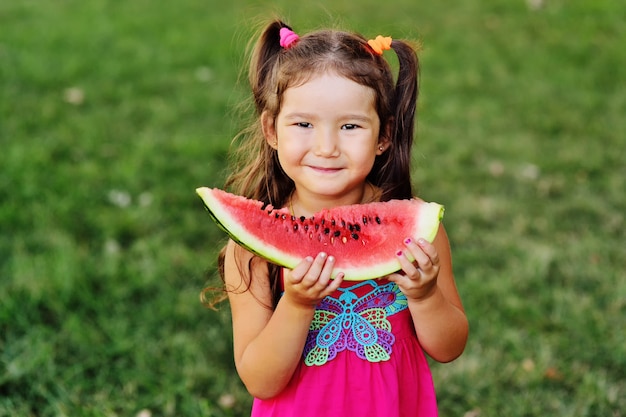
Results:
288 38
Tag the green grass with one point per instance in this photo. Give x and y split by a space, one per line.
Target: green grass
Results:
111 113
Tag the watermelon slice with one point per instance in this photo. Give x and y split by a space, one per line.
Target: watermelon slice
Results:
363 238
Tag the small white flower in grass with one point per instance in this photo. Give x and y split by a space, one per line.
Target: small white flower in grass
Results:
227 401
112 247
535 4
145 199
528 365
496 169
530 172
119 198
74 95
204 74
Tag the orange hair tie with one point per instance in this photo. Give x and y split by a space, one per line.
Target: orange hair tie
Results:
380 44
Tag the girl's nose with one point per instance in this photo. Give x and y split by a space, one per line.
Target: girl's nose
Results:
326 144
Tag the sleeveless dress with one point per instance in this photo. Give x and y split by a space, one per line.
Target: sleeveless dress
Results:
361 358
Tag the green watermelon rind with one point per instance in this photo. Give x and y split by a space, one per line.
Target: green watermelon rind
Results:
426 227
248 241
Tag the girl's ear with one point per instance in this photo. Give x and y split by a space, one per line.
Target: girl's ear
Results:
384 139
383 145
269 130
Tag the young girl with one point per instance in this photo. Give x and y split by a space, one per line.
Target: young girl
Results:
334 129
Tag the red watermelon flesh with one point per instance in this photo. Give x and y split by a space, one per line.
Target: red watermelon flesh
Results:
363 238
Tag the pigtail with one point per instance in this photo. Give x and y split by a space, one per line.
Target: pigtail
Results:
263 62
395 165
406 92
257 173
404 105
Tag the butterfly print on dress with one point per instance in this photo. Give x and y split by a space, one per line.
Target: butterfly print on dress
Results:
359 325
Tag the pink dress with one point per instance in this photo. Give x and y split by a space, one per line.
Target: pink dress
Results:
362 358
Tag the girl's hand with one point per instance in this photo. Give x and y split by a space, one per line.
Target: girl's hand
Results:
417 279
310 281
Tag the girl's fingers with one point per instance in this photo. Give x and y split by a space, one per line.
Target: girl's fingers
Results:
321 267
310 280
423 252
419 261
324 276
335 283
298 273
430 250
408 267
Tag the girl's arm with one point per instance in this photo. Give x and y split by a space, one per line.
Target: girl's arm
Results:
268 344
438 315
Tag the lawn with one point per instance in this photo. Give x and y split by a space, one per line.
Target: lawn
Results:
112 113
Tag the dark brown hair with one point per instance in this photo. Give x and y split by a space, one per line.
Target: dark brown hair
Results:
257 173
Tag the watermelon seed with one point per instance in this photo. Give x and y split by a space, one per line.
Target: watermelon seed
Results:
283 216
344 239
326 231
337 233
306 227
355 236
364 220
357 227
377 219
302 218
295 227
343 224
332 222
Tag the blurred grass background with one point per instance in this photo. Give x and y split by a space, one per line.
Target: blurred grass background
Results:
112 112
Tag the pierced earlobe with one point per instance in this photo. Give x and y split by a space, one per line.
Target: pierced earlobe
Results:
382 147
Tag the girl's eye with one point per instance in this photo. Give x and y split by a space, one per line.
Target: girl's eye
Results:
304 124
349 126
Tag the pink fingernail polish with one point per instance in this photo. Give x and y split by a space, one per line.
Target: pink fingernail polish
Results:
407 240
399 253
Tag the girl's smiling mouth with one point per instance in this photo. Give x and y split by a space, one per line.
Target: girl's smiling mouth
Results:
324 170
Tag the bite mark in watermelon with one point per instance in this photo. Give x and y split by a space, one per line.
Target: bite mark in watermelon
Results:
363 238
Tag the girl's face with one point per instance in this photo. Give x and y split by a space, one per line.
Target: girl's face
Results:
327 137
